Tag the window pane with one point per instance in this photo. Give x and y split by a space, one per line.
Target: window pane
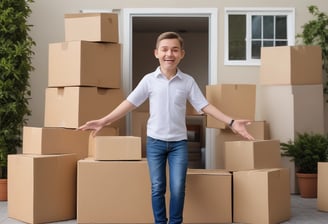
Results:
268 43
256 49
281 27
268 27
281 43
237 35
256 27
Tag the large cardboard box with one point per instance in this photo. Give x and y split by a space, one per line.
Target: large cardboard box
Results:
235 100
71 107
113 192
115 148
322 199
261 196
43 141
291 65
287 109
82 63
208 196
258 129
102 27
42 188
246 155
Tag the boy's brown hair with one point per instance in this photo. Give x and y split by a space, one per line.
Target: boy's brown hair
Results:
170 35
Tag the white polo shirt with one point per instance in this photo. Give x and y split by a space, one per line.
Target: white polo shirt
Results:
167 103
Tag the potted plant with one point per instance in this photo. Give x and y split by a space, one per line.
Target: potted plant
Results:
315 32
15 67
306 151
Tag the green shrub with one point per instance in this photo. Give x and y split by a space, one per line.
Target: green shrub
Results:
15 67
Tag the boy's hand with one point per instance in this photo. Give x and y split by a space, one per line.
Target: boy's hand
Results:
239 127
94 125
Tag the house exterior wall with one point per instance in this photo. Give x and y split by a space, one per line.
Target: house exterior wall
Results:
48 27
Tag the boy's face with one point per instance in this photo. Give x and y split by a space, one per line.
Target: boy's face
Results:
169 53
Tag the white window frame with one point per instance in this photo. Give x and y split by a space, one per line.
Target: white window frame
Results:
289 12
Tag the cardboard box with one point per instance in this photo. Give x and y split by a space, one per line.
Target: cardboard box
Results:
120 192
115 148
322 199
291 65
45 141
82 63
235 100
287 109
102 27
42 188
258 129
208 196
246 155
261 196
71 107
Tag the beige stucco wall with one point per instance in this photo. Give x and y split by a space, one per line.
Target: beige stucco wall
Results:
47 18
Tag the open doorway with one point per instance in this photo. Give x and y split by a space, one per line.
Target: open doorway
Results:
197 27
194 31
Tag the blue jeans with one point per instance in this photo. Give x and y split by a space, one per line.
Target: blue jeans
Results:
176 153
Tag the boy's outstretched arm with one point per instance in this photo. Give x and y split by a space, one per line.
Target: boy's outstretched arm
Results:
119 112
238 126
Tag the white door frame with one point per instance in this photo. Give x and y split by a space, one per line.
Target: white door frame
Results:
126 40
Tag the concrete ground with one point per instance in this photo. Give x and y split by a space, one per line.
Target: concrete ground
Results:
304 211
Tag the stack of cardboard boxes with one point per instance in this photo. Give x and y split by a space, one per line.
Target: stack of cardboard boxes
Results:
291 91
238 101
84 72
291 94
255 166
291 85
84 84
113 184
260 186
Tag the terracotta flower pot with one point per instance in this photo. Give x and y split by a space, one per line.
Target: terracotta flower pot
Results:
307 183
3 189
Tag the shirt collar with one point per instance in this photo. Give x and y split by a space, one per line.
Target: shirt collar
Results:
158 73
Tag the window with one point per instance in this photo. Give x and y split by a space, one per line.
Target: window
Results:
247 30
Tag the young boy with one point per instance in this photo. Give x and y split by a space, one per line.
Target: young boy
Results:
168 89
